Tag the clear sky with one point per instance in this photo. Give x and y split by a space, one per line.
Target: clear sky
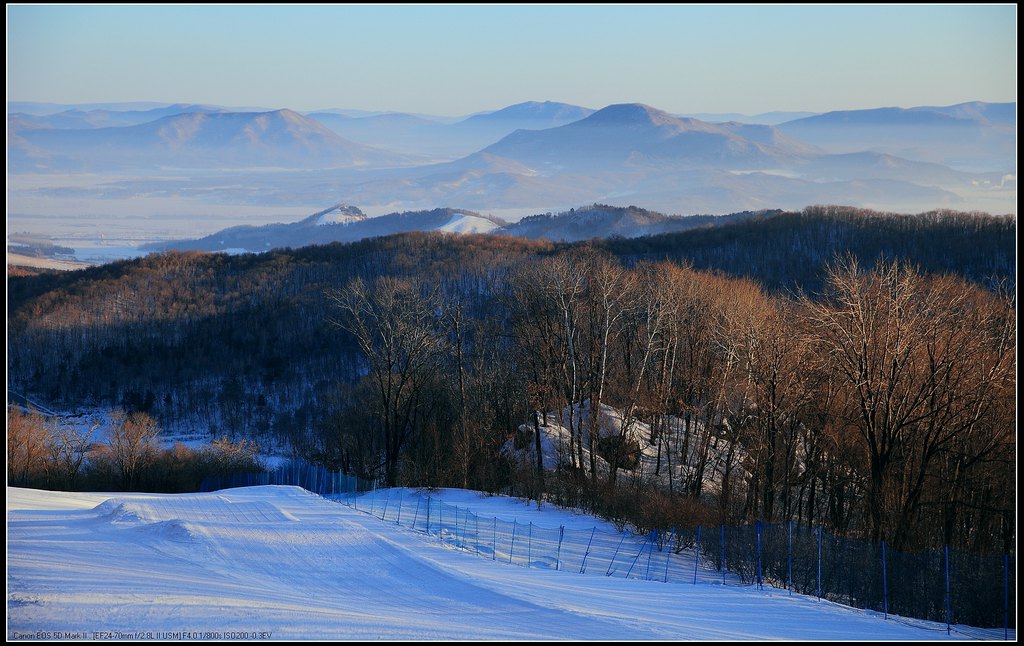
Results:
454 59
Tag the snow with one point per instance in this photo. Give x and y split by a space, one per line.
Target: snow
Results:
464 223
556 446
339 217
504 508
282 561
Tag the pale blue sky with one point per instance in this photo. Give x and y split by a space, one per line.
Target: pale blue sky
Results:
454 60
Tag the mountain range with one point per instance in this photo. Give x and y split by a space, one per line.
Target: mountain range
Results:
414 134
338 223
634 135
193 139
531 157
969 136
632 153
346 223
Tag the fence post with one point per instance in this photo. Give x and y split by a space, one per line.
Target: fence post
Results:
512 547
612 562
416 516
398 521
723 553
947 589
819 562
558 553
529 545
583 566
494 539
650 554
789 583
696 556
668 552
637 557
757 526
1006 596
885 583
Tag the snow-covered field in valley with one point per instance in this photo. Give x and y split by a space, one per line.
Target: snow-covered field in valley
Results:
281 563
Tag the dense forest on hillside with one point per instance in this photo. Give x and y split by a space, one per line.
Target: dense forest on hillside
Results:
787 251
878 402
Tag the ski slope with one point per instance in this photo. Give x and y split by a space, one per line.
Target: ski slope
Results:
280 563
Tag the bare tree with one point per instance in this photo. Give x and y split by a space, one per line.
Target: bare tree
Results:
608 295
67 448
396 327
132 441
27 438
922 363
545 301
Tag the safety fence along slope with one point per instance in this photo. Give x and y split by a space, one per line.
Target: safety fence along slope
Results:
957 590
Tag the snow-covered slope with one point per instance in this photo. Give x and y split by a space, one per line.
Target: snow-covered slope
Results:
338 214
282 563
468 223
339 223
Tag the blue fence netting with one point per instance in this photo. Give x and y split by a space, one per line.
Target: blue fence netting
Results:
980 595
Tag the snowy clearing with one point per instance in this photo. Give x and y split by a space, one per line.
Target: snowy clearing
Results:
466 223
286 563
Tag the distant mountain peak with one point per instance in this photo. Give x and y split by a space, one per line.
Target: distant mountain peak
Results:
546 112
632 114
290 115
343 214
538 108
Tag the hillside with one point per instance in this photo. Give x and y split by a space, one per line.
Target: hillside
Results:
787 251
287 348
413 134
585 223
971 136
263 319
636 134
532 115
279 563
77 118
340 223
601 221
195 139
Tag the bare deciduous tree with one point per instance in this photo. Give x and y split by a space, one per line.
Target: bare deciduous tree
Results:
396 326
67 448
131 442
27 438
923 364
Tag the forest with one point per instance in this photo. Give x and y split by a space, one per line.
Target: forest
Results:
834 367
